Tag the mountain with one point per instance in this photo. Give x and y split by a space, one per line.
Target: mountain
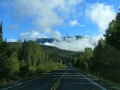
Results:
50 40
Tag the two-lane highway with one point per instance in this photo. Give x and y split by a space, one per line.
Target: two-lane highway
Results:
65 79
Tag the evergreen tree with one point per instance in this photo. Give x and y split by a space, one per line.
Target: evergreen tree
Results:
98 53
113 32
1 37
22 53
110 64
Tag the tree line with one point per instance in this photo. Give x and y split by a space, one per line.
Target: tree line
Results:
22 60
104 59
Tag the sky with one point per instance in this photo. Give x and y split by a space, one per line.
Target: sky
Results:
31 19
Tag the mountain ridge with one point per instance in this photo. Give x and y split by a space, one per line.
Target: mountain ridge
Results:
50 40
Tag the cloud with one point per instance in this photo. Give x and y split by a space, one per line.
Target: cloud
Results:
44 14
12 27
97 37
73 44
75 22
101 14
11 40
57 35
32 35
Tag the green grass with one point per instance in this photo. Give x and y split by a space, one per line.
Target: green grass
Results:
35 72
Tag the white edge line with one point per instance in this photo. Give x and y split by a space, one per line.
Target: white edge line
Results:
91 80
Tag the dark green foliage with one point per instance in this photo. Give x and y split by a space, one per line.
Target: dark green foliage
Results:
24 60
98 56
63 56
84 60
8 62
110 63
1 37
104 60
1 40
27 59
23 51
113 33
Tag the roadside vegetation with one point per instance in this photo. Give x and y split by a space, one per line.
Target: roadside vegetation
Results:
23 60
95 76
28 59
104 60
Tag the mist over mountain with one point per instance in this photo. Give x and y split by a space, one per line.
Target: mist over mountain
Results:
72 43
50 40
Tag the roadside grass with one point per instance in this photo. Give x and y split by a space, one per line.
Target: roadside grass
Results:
40 71
95 76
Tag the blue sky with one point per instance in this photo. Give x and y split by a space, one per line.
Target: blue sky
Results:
31 19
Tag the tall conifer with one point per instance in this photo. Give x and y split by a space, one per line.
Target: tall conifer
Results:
1 37
113 32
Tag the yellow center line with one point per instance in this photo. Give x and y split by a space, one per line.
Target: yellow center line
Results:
57 83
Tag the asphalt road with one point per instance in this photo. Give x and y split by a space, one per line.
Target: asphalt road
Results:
65 79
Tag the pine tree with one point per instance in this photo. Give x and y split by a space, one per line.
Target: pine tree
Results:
22 51
1 37
113 32
98 53
1 42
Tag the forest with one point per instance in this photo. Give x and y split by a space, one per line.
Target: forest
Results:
104 59
21 60
27 59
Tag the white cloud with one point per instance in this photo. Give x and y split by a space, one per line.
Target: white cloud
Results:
56 35
100 14
44 14
73 44
74 22
11 40
32 35
97 37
